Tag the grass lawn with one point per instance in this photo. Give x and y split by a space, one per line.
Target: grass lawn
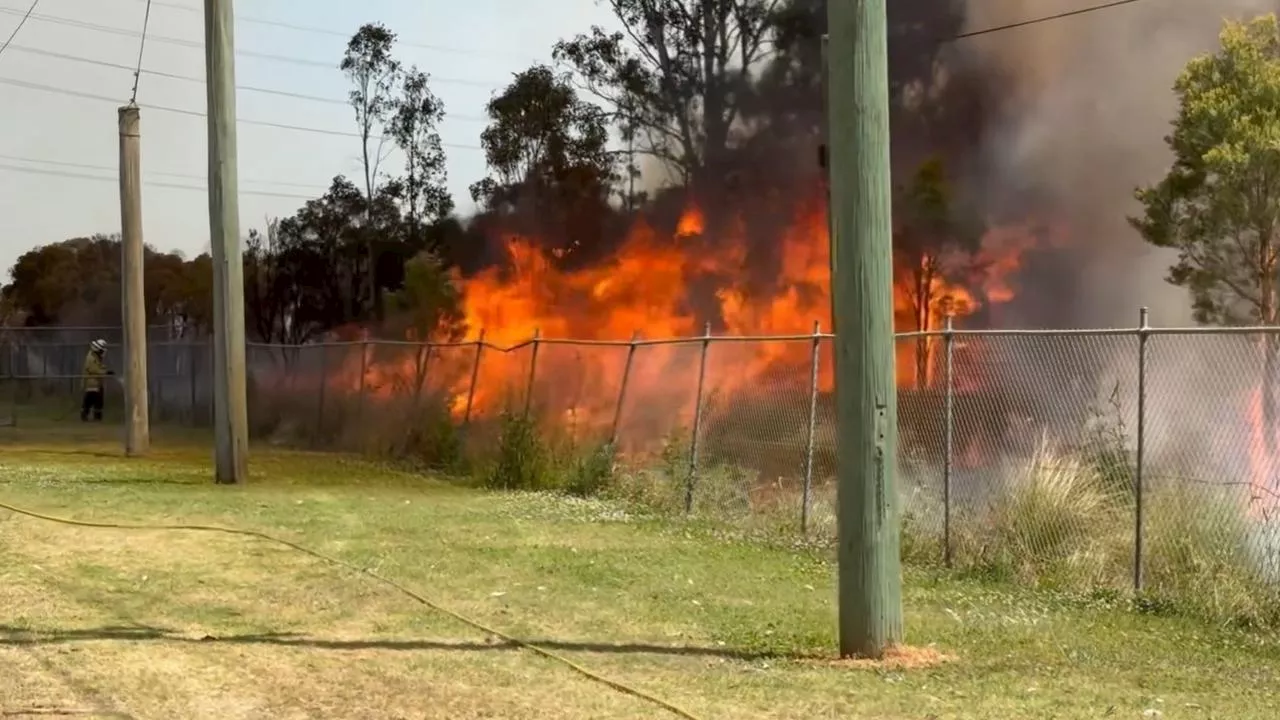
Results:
184 625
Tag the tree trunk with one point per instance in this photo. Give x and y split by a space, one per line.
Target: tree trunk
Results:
370 172
376 289
921 303
1270 354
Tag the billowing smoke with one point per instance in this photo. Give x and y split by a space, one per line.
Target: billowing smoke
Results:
1084 104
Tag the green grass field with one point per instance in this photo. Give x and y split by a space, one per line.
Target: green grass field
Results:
115 623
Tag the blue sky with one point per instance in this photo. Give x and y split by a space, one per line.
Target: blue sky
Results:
470 48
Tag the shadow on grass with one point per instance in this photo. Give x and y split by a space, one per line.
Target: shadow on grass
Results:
20 637
84 453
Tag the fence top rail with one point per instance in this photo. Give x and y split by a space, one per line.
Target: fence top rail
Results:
74 328
711 338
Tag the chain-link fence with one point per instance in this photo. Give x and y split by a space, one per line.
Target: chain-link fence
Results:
1114 457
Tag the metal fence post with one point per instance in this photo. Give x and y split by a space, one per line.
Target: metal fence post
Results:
320 391
697 421
806 498
533 371
209 382
948 434
364 370
12 348
622 390
193 357
424 362
475 377
1140 453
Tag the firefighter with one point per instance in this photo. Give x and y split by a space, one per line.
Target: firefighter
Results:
95 369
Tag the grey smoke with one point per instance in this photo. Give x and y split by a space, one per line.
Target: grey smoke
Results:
1085 104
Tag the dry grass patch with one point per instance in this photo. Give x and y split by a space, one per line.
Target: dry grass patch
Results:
901 658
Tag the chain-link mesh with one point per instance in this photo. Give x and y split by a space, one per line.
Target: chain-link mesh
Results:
754 428
44 377
575 392
1211 488
658 407
1042 481
922 381
654 423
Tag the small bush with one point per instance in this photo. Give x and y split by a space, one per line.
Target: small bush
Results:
592 474
265 413
432 439
920 544
724 491
522 461
659 484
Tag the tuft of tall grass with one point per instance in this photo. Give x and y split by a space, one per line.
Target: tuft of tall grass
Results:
668 482
1052 523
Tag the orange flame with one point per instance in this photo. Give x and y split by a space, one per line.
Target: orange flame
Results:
1264 466
647 288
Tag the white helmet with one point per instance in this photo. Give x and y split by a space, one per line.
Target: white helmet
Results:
98 345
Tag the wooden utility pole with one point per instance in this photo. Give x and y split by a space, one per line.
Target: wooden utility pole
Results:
230 412
137 423
870 580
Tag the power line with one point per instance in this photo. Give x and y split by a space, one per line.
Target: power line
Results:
463 51
200 80
173 186
142 44
112 169
284 126
25 17
196 113
199 45
347 35
1045 19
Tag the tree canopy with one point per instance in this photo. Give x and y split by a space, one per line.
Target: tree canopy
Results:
551 171
725 94
1219 204
77 282
678 74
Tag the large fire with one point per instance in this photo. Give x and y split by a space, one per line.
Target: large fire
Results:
645 290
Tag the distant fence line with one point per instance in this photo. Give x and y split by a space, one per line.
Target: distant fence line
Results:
1183 421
